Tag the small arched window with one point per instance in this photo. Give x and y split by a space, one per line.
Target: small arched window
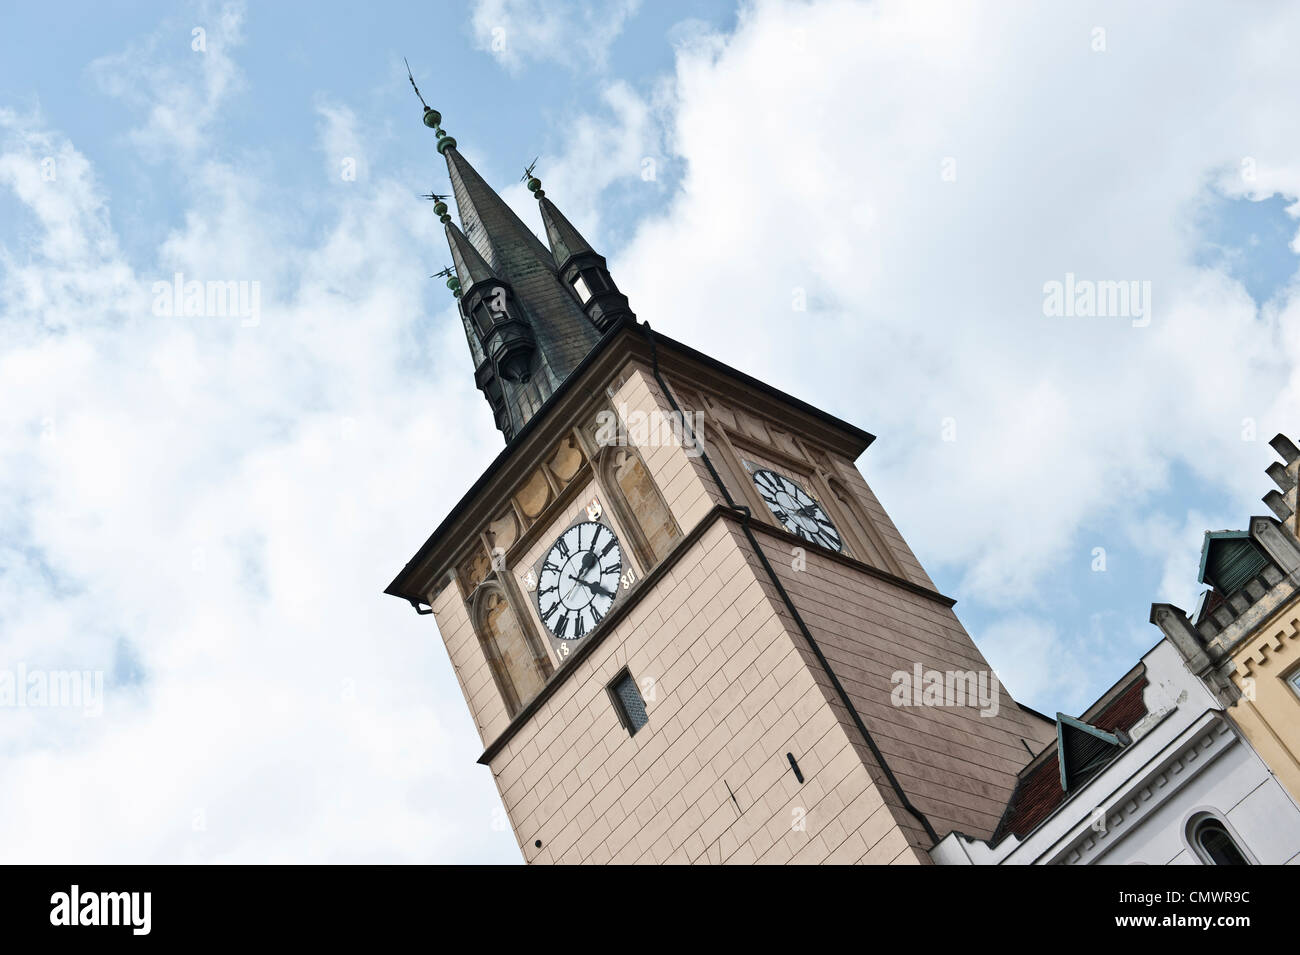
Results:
1213 842
877 552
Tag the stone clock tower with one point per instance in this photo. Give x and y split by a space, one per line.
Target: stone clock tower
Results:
685 627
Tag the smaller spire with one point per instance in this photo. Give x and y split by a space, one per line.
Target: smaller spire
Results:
580 267
565 240
469 264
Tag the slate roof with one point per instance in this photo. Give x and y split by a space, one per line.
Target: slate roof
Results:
470 267
513 253
566 241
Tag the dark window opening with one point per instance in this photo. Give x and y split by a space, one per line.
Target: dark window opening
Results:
483 318
628 702
1215 844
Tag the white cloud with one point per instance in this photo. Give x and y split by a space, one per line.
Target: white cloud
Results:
207 512
1177 548
816 140
1056 669
569 32
622 147
180 76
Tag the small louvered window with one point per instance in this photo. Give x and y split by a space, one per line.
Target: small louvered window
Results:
628 702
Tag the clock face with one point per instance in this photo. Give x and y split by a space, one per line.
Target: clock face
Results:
578 580
794 508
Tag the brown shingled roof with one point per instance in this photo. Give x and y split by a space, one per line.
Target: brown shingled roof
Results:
1038 793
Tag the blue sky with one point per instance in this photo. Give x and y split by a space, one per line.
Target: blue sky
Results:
207 511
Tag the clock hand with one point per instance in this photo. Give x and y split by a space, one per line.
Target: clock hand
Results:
597 588
588 561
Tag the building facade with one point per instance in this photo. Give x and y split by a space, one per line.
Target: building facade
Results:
676 609
1192 757
1153 773
1242 636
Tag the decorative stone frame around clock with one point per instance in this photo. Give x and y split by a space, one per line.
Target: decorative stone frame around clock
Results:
558 644
489 562
518 679
803 462
651 528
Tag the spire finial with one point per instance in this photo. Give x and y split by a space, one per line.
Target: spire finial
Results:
453 283
439 206
534 184
432 118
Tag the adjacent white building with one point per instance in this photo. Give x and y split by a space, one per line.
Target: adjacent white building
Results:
1153 773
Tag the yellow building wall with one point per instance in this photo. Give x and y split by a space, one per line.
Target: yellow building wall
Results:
1268 713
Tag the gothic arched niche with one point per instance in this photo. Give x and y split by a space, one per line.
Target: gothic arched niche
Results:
519 666
642 507
876 551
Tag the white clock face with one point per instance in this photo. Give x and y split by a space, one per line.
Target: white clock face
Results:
578 580
795 508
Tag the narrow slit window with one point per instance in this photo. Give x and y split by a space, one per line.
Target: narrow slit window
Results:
628 702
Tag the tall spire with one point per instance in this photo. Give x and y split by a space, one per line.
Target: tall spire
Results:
527 326
496 231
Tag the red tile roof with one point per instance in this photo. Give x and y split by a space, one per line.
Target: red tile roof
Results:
1039 793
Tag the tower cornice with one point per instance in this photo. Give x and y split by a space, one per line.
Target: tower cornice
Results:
624 342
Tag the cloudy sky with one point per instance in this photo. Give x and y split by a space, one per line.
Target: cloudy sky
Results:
206 509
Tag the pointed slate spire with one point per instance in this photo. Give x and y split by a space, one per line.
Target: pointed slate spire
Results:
470 266
566 241
496 323
499 235
581 267
527 331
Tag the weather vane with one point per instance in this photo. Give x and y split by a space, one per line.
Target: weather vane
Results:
453 280
436 197
432 118
411 76
534 184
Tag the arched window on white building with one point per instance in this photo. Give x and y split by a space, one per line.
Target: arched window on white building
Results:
1213 842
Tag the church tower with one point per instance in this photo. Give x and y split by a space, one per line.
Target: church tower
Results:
685 627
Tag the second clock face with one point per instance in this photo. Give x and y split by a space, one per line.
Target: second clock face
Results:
795 508
578 580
